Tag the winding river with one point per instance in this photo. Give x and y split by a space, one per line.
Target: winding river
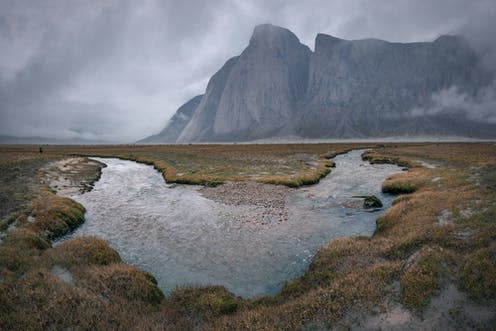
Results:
184 238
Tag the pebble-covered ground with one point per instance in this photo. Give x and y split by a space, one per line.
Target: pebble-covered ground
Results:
268 202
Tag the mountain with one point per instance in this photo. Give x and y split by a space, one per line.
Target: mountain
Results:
176 124
253 95
277 87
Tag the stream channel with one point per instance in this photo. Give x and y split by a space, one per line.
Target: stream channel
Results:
183 238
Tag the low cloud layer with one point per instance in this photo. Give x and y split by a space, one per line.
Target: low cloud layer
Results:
117 70
480 107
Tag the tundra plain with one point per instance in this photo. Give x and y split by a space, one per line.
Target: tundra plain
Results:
430 264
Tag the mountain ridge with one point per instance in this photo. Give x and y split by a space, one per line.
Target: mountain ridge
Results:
343 89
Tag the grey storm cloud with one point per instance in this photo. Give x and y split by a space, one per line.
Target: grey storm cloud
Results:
117 70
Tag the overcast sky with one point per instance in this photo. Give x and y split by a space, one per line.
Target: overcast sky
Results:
117 70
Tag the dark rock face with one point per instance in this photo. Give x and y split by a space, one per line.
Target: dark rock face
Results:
277 87
257 92
176 124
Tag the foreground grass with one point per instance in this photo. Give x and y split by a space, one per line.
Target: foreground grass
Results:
441 230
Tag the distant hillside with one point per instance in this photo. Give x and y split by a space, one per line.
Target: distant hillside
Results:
278 87
11 140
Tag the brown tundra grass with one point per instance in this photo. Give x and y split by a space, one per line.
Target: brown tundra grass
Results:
441 230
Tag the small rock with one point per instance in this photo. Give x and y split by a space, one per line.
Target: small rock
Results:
370 201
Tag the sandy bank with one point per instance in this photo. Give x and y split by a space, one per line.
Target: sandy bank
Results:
72 176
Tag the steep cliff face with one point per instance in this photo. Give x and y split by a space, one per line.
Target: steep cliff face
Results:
368 87
277 87
176 124
259 90
201 124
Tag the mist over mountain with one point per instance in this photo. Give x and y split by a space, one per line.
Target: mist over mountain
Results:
277 87
176 124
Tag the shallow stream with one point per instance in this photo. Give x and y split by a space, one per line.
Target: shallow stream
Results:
184 238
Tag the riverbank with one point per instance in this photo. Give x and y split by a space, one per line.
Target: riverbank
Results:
249 237
430 265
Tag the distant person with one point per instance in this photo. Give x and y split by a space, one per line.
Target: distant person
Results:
41 150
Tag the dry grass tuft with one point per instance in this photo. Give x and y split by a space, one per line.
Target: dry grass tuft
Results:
15 260
24 239
421 279
305 177
479 274
84 251
405 183
56 216
118 279
374 157
205 302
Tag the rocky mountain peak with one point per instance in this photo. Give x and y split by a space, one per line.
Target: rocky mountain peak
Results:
449 38
268 36
325 41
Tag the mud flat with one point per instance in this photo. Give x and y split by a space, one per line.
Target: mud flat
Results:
71 176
